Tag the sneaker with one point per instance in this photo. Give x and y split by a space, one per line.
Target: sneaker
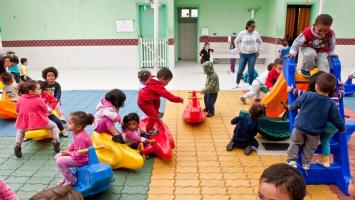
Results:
230 146
243 100
153 132
247 150
250 87
305 73
292 163
160 115
230 72
118 139
63 133
17 150
210 114
236 86
306 166
56 145
253 148
205 110
62 119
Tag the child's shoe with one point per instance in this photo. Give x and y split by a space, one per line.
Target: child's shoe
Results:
230 146
292 163
63 120
56 145
243 100
17 150
306 166
63 133
236 86
205 110
305 73
160 115
247 150
153 132
210 114
325 161
118 139
66 183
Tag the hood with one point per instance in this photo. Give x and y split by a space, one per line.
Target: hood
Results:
104 104
152 81
208 67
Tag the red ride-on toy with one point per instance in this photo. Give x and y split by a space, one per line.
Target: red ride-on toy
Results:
193 112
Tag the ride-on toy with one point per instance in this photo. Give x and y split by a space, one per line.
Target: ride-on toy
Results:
164 144
193 112
115 154
7 107
93 178
39 134
349 85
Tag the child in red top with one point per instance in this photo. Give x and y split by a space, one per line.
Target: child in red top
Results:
81 140
274 74
149 97
32 114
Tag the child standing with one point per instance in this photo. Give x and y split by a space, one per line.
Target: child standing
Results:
256 86
317 42
233 59
211 88
284 50
32 114
245 130
310 122
14 69
23 69
274 74
81 140
205 52
10 86
149 97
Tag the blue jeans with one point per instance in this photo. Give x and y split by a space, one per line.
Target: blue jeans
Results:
244 59
210 100
57 121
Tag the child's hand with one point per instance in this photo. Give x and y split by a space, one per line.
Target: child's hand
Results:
290 56
289 88
151 141
182 100
340 82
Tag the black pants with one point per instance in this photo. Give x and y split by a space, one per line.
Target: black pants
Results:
16 77
23 78
57 121
210 100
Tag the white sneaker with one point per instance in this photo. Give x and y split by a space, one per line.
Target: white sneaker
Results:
306 166
236 86
249 87
292 164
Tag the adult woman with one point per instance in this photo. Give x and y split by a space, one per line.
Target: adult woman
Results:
248 44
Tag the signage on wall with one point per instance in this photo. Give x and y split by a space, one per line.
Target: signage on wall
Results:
205 32
125 25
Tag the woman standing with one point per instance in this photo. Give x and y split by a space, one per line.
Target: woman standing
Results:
248 44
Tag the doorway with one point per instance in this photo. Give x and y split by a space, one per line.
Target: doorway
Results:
187 27
297 19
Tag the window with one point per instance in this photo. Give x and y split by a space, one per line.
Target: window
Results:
189 13
194 13
185 13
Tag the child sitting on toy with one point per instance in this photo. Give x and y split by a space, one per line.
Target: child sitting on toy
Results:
58 193
10 86
256 86
149 97
284 50
211 88
205 52
245 130
23 70
132 134
281 182
81 140
315 109
32 114
274 74
6 192
317 42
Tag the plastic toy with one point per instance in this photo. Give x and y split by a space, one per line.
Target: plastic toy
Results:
116 155
38 134
93 178
164 144
7 107
349 86
193 112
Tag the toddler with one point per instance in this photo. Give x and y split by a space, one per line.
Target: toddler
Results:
58 193
211 88
284 50
10 86
274 74
233 59
205 52
14 69
23 69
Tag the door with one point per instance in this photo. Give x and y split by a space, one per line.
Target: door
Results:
297 19
187 33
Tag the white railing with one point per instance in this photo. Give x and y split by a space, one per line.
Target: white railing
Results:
146 56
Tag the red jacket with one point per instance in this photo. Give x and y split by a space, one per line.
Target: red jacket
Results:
319 44
49 99
271 78
153 90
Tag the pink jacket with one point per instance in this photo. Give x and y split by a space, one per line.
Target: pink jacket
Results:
105 109
6 193
32 112
81 140
133 137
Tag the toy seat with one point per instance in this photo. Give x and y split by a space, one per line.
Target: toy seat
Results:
193 112
38 134
7 107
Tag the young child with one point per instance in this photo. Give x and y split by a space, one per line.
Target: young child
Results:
233 59
23 69
245 130
6 192
32 114
58 193
284 50
149 97
211 88
81 140
14 69
281 182
318 41
132 134
205 52
107 110
256 86
274 74
310 122
10 86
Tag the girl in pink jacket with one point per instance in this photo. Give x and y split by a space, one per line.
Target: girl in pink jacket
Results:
33 114
132 134
6 193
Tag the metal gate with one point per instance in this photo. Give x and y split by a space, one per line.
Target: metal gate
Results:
146 54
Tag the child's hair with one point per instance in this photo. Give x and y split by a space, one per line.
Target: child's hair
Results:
164 73
42 84
250 22
278 61
81 118
285 42
10 52
312 81
58 193
3 58
7 78
232 45
116 97
326 82
14 59
26 86
47 70
256 110
143 75
324 19
128 118
287 179
270 66
206 43
23 60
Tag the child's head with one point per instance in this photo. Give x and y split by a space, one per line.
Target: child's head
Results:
58 193
143 75
351 188
11 53
42 85
312 81
131 121
250 26
256 110
322 24
50 74
164 75
208 67
325 83
270 66
24 61
79 120
206 45
14 60
285 42
281 182
7 78
29 87
278 65
116 97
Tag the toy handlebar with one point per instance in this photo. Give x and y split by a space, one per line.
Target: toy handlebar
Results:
81 151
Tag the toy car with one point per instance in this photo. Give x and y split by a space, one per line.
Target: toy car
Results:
193 112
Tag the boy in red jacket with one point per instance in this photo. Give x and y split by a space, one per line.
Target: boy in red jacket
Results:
274 73
149 97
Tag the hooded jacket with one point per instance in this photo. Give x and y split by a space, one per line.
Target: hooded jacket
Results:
212 82
105 109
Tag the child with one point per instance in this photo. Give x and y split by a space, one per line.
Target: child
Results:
81 140
256 86
330 130
281 182
149 97
274 74
205 52
6 192
23 69
245 130
132 134
10 86
14 69
233 59
106 114
315 109
318 41
32 114
58 193
284 50
351 188
211 88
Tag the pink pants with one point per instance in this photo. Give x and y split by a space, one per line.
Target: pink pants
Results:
60 110
51 126
64 163
103 125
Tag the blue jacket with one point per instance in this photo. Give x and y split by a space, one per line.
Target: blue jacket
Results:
246 128
314 112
